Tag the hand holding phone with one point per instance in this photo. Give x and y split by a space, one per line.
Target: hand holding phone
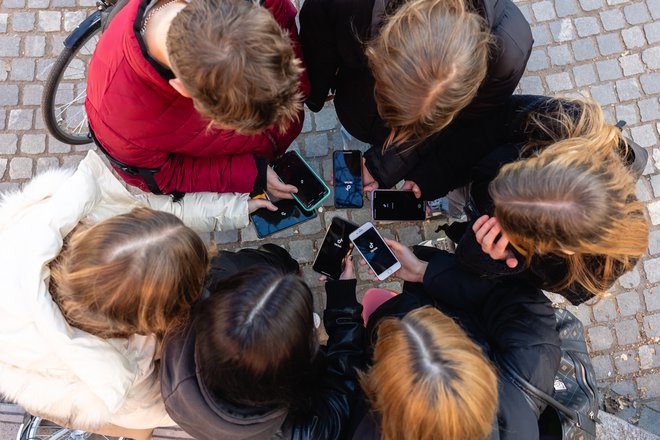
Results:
374 250
335 247
412 268
292 170
278 188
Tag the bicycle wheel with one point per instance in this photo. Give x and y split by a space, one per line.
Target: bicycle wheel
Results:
36 428
63 101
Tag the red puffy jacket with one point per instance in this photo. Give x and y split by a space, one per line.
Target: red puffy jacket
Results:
142 121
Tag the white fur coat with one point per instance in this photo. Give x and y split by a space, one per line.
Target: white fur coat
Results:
47 366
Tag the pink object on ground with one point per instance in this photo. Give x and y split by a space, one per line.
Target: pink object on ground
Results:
373 298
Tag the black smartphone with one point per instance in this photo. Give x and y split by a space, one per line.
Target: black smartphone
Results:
288 214
334 249
292 169
347 172
396 205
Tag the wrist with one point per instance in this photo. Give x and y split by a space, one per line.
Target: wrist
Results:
420 271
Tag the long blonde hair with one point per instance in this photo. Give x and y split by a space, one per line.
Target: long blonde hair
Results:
133 273
575 198
428 62
430 381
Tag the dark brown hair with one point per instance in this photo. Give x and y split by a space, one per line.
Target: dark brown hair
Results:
133 273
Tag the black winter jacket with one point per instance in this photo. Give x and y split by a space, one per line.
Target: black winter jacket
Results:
332 33
206 418
509 320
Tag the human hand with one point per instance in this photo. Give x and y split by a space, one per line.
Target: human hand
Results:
254 204
409 185
368 182
276 187
486 229
412 268
349 269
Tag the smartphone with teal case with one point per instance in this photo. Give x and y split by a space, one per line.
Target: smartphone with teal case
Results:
292 169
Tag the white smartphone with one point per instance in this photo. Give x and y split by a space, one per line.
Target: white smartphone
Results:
373 249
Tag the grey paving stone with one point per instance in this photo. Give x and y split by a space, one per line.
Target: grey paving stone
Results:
55 146
654 242
629 303
652 269
560 55
531 85
562 30
565 8
652 32
9 45
20 119
8 94
63 3
343 213
587 26
73 19
630 279
23 21
33 143
649 386
636 13
649 109
602 366
307 123
643 191
8 143
584 75
226 237
590 5
72 161
34 45
627 332
654 212
3 22
311 227
649 420
544 10
38 4
633 37
537 60
608 70
650 82
652 325
603 94
326 119
20 168
627 112
302 250
410 235
628 89
644 135
32 94
649 356
626 362
559 81
541 35
652 298
49 21
47 163
600 337
3 118
631 64
654 7
22 69
360 216
651 57
43 68
584 49
316 145
613 19
609 44
604 310
3 167
13 3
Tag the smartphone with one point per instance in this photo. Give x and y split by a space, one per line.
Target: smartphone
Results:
373 249
347 172
334 249
288 214
389 204
292 169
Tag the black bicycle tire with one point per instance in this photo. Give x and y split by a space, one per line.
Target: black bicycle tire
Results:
50 89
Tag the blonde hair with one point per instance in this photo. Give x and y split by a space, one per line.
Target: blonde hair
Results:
237 64
575 195
133 273
428 62
430 381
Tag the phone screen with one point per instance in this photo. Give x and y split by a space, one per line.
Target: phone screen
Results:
336 245
397 205
293 170
347 171
375 251
288 214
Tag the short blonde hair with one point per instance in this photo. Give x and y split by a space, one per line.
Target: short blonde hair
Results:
428 62
430 381
237 64
136 273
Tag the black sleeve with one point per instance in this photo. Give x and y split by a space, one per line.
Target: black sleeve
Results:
262 169
227 263
472 258
319 45
390 166
344 356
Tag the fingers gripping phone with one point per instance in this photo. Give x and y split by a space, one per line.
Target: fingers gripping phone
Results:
373 249
288 214
347 173
292 169
396 205
334 249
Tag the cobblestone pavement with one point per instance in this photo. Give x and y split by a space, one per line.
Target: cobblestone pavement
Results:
606 49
